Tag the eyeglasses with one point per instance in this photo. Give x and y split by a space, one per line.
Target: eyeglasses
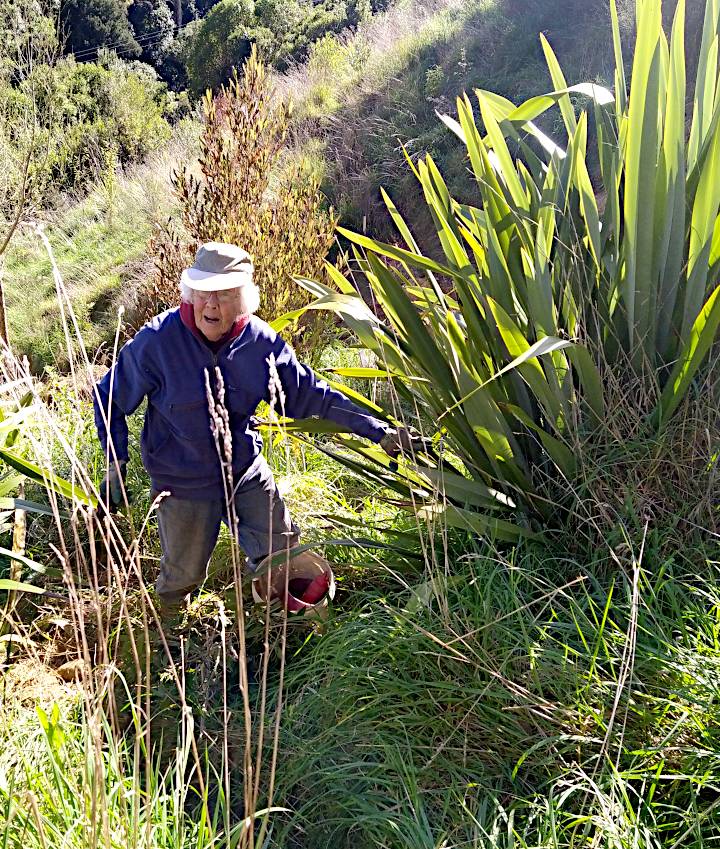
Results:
227 296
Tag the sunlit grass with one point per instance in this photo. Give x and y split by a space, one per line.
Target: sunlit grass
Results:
516 715
100 242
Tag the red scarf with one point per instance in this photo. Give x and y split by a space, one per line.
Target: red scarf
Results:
187 314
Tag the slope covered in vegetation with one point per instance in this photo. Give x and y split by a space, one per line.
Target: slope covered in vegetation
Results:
363 96
523 650
359 95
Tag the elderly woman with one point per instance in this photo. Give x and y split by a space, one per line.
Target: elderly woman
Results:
166 363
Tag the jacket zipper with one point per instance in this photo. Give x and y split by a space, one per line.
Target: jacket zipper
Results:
215 355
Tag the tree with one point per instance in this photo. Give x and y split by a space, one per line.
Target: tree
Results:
220 42
89 25
153 25
280 16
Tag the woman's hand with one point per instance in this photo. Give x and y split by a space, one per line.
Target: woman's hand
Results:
112 487
401 441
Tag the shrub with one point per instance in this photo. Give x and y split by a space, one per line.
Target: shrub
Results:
27 35
329 68
280 16
89 25
283 224
319 20
153 25
501 343
434 81
92 109
27 39
138 107
328 58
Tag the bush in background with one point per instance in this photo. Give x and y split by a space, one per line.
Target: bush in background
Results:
247 194
283 33
218 43
154 27
89 25
317 20
92 114
27 40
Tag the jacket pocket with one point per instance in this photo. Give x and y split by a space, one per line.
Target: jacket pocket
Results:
246 442
179 443
191 421
240 402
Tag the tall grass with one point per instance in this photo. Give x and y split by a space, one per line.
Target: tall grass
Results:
100 241
478 698
518 702
356 64
157 756
160 737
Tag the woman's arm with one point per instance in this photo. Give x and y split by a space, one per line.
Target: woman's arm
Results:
307 395
129 383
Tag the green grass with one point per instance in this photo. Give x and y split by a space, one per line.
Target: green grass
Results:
66 768
487 715
363 96
517 701
98 247
472 697
100 242
340 70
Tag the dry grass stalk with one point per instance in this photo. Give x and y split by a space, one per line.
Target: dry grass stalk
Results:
117 646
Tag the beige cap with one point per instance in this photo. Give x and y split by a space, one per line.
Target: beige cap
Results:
219 266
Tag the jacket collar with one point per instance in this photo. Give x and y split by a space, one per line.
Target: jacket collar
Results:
187 316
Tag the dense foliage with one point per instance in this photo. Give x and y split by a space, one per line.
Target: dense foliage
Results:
90 116
90 25
211 37
69 121
154 28
218 43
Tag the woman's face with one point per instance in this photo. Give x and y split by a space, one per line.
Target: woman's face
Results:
215 312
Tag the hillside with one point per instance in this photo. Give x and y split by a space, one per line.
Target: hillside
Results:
359 96
362 96
476 458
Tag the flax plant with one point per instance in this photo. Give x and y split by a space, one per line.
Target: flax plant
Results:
500 339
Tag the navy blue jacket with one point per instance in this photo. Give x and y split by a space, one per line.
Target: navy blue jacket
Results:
166 364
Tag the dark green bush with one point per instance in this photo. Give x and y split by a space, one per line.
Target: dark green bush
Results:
153 25
218 43
89 25
281 16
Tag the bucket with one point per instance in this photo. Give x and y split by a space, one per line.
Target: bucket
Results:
311 584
